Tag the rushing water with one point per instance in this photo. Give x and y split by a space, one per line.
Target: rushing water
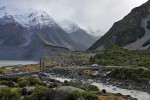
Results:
109 88
7 63
62 79
134 93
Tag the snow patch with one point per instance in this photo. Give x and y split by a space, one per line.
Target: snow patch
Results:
95 33
68 26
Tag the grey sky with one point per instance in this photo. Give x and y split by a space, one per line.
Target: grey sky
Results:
97 14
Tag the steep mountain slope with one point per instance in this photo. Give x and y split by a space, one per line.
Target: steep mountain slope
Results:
33 51
11 33
77 34
132 32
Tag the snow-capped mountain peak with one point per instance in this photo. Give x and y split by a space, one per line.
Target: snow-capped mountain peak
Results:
68 26
28 17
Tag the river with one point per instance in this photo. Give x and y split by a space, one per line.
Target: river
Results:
109 88
8 63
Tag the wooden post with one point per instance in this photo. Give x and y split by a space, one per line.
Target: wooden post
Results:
43 65
40 64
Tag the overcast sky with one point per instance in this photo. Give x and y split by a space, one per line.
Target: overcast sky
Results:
97 14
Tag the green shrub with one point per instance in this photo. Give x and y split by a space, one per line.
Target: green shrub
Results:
23 83
117 56
7 83
4 82
66 82
54 85
37 90
76 95
136 74
32 80
89 96
89 88
7 94
83 87
134 99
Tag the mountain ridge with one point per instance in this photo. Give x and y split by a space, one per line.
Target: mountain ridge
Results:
126 31
77 34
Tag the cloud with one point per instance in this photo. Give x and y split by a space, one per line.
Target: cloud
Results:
97 14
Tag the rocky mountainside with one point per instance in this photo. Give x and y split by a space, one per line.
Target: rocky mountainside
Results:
30 34
77 34
34 51
132 32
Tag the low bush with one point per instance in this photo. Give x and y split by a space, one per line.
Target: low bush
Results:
76 95
139 75
29 80
38 89
8 94
23 83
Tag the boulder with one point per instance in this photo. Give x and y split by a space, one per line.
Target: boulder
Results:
61 93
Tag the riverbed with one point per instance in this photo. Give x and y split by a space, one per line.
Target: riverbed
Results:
112 89
8 63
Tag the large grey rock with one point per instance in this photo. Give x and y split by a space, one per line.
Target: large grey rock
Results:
60 93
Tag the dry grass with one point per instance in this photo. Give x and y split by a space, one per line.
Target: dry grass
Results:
31 67
49 63
88 72
4 70
14 89
35 67
110 96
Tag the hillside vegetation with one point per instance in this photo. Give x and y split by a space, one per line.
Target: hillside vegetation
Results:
117 56
138 75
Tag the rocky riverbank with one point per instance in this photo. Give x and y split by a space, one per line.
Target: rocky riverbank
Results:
98 74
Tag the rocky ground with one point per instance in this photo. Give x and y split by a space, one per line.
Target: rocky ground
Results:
98 74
